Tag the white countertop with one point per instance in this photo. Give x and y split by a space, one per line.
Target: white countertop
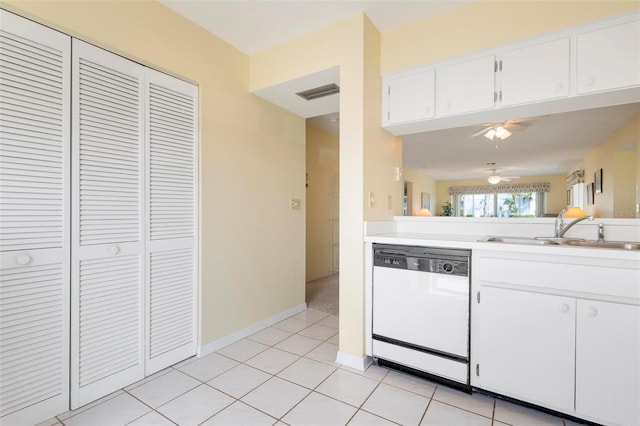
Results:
473 242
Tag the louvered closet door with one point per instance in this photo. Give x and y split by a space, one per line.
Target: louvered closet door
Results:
34 207
172 158
107 302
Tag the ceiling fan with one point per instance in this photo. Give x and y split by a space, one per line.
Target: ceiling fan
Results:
501 129
496 178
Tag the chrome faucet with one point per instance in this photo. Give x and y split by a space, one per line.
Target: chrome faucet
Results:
560 229
601 232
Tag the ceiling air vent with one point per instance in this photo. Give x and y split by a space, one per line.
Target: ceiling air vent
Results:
319 92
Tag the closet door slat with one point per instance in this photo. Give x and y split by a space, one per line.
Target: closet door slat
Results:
34 220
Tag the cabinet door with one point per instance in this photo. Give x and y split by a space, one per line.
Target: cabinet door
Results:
34 216
527 346
410 97
466 87
107 275
172 124
609 58
608 362
535 73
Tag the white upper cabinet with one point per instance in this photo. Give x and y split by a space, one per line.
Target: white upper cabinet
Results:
607 362
535 73
538 75
466 86
410 97
608 58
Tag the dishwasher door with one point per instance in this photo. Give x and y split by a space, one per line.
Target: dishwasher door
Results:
423 309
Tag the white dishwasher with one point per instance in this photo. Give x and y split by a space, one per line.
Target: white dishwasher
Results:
420 314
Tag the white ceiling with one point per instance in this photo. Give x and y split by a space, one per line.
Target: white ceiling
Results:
550 145
256 25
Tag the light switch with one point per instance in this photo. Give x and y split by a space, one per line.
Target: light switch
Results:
294 204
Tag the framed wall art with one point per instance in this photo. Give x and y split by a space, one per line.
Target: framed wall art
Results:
598 181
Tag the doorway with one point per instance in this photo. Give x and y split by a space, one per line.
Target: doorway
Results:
322 213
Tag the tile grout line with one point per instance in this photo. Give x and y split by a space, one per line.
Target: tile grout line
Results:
428 404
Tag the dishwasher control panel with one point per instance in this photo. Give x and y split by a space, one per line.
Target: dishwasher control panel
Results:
423 259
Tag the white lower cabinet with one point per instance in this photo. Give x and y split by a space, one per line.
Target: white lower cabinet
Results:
528 346
556 333
608 362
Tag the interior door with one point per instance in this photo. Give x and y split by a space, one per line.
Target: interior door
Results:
107 303
34 217
172 173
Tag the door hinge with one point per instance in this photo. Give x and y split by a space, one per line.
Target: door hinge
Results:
495 66
478 370
478 297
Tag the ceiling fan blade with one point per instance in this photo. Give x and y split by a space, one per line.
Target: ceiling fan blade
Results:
480 132
516 126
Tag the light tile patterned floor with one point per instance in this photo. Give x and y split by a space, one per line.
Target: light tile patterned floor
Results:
286 375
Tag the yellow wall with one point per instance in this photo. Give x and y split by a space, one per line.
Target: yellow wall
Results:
421 183
482 24
556 198
368 154
322 202
603 157
624 184
252 157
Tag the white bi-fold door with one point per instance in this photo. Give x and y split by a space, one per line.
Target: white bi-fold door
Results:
98 215
34 221
134 222
171 220
107 274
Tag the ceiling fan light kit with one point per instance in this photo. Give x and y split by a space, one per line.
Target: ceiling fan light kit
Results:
497 132
494 179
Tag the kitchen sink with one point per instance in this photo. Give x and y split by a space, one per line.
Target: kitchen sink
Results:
523 240
604 244
560 242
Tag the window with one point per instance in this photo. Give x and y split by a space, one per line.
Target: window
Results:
520 200
500 205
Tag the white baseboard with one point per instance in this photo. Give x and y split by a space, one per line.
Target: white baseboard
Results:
355 362
247 331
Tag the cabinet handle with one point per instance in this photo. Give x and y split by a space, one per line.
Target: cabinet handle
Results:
447 106
559 87
592 312
113 250
590 81
564 308
23 259
427 110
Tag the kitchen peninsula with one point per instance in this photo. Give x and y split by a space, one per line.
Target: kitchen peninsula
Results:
556 326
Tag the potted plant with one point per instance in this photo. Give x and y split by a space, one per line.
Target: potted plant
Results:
447 209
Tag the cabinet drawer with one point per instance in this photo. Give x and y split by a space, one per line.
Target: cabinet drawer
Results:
575 277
